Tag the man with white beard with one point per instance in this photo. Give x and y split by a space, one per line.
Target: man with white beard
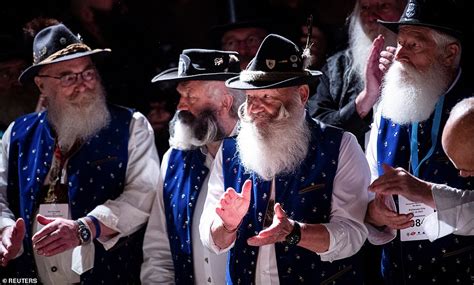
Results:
296 189
419 90
79 178
347 93
207 112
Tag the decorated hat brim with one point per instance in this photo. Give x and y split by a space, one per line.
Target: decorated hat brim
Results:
395 26
236 83
33 70
171 75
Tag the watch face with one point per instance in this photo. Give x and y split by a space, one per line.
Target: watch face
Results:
293 239
85 234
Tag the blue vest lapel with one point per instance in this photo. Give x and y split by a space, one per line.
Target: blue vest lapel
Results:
185 175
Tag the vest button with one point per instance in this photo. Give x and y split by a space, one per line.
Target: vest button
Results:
54 269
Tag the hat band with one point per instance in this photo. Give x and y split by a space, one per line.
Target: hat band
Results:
252 76
72 48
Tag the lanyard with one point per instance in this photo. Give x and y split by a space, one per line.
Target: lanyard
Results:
415 166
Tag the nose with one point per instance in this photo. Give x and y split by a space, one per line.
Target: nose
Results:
81 85
373 16
182 105
401 54
254 105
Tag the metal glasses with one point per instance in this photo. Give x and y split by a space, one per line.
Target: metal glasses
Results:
71 78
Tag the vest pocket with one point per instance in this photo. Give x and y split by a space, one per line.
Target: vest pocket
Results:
312 188
336 276
458 252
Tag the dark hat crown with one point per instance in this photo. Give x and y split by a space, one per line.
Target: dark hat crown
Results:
277 54
277 64
202 64
54 44
53 39
442 15
201 61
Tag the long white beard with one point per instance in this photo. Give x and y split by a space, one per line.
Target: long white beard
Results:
360 44
410 96
282 146
79 122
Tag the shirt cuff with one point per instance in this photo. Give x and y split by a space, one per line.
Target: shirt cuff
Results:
6 222
212 245
335 245
379 237
123 227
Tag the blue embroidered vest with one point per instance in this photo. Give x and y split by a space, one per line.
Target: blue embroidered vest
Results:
448 260
305 195
184 177
95 173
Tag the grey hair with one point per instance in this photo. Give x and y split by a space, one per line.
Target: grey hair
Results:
442 40
239 99
238 96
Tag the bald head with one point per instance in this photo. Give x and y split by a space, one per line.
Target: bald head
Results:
458 139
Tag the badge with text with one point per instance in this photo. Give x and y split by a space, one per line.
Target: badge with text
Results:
420 212
54 210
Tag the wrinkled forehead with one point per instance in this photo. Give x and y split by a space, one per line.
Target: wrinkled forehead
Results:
277 92
73 65
415 31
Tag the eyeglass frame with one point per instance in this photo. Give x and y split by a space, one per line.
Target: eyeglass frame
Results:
246 41
63 81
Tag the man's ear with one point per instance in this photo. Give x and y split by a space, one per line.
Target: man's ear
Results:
39 83
303 90
227 101
451 52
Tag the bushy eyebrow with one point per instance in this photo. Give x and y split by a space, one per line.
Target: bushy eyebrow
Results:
66 72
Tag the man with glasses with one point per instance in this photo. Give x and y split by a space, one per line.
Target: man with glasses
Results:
243 35
76 181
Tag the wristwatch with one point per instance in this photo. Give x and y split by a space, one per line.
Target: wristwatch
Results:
294 237
83 232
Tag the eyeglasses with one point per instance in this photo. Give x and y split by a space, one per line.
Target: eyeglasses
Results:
233 43
71 78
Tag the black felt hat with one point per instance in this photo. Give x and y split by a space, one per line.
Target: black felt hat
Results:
55 44
442 15
202 64
240 14
278 63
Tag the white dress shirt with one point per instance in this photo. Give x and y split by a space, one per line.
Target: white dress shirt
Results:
346 227
157 267
454 212
125 215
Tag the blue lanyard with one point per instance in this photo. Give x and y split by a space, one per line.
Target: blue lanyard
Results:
415 166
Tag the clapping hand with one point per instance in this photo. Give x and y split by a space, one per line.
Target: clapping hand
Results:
276 232
57 235
233 206
12 239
